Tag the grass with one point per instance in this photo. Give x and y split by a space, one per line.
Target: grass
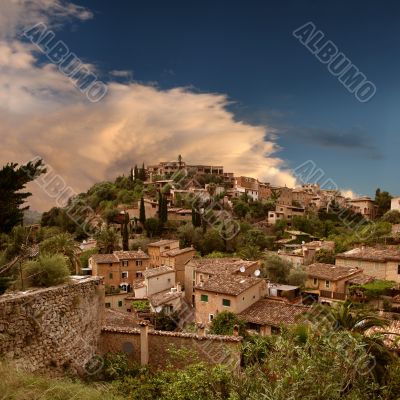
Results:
19 385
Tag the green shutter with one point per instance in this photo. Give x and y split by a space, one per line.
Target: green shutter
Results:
226 302
204 297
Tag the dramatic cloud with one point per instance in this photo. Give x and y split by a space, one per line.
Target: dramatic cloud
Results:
354 139
44 115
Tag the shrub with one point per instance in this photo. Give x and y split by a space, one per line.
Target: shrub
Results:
48 270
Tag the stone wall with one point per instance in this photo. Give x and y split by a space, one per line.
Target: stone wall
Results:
55 329
212 349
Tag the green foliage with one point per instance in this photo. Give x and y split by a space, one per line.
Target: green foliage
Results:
166 322
212 241
250 252
85 255
189 236
224 322
64 244
152 226
48 270
13 181
325 256
107 240
141 305
16 384
276 269
142 211
392 217
383 201
375 288
297 277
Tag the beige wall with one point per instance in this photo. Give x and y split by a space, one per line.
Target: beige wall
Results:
112 273
178 263
155 252
159 283
371 268
115 301
338 286
238 303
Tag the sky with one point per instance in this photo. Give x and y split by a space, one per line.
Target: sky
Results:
223 82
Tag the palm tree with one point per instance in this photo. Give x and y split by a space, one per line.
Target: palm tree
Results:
64 244
363 324
107 240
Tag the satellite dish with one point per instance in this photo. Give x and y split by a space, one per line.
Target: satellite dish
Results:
158 309
242 268
257 272
303 242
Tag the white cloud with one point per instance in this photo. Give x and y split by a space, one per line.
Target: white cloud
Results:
124 73
43 114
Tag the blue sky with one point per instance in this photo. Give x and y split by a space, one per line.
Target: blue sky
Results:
223 82
247 51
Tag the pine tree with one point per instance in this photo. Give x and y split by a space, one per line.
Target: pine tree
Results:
12 181
142 173
142 212
125 233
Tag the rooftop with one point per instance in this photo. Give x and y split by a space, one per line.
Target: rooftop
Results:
229 284
372 254
330 272
214 266
118 256
158 299
176 252
149 273
272 313
160 243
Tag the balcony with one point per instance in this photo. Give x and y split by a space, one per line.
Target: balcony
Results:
332 295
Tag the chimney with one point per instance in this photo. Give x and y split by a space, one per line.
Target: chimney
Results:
144 342
201 329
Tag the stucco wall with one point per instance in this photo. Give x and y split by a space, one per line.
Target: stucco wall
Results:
53 329
371 268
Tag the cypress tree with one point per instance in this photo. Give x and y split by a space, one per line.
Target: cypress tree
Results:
136 173
142 211
125 233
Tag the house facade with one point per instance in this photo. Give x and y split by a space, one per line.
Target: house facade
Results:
119 269
159 279
329 280
156 249
177 259
379 263
233 293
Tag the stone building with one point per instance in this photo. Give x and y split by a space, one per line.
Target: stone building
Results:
233 293
156 249
329 280
119 269
380 263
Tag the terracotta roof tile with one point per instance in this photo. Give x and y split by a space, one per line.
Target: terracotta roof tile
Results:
272 313
330 272
157 271
229 284
214 266
372 254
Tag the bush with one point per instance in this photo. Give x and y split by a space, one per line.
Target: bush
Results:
224 322
48 270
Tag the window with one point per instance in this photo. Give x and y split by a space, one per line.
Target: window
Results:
315 281
210 317
204 297
110 275
124 274
139 263
169 280
125 263
119 303
226 302
139 274
108 305
327 284
110 264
